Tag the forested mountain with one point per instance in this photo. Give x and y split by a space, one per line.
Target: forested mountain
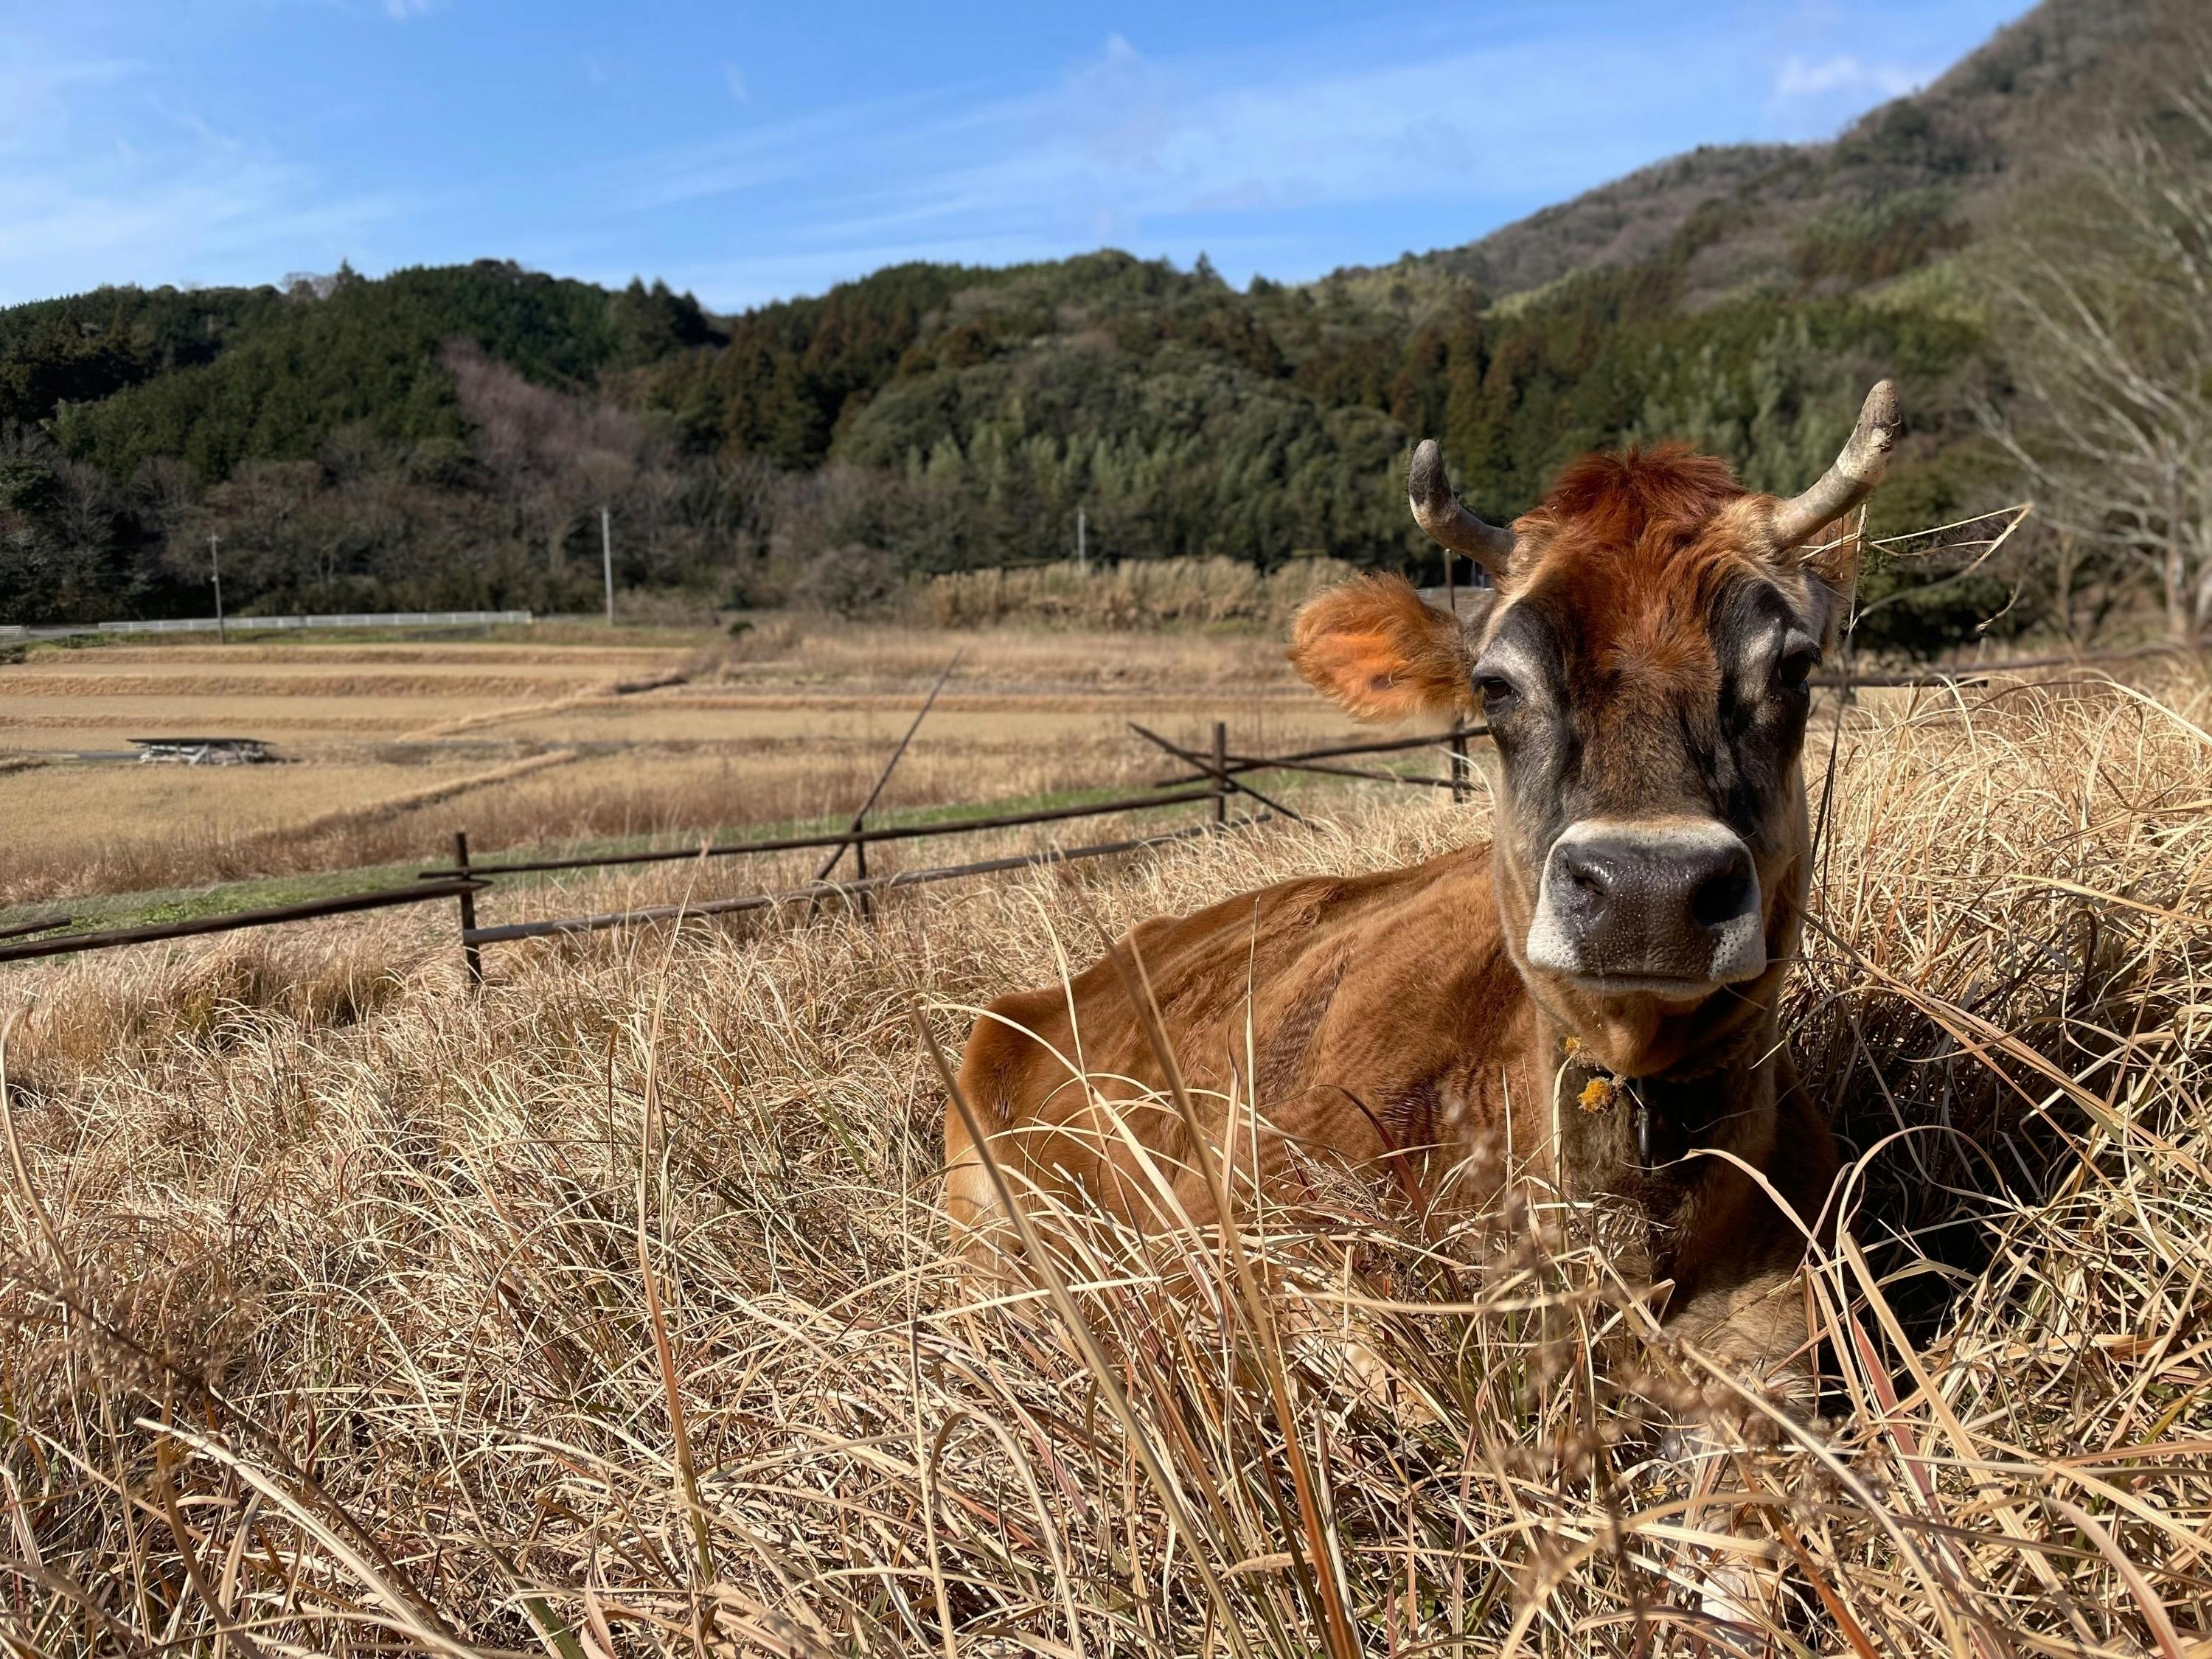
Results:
447 437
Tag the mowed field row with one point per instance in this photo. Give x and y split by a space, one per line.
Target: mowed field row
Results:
386 748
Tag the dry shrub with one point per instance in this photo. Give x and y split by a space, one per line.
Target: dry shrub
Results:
79 1020
1134 594
607 1315
754 639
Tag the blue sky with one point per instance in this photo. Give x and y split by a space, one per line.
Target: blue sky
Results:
749 152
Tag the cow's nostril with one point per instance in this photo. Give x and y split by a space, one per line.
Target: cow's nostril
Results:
1590 875
1724 895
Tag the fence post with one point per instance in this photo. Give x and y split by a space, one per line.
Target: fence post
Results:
1459 765
472 956
861 865
1220 772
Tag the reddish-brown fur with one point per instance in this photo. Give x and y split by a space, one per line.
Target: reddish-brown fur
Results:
1390 1023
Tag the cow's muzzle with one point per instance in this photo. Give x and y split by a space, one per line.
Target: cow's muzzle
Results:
1668 907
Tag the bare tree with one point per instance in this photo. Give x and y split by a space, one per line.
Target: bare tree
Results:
555 456
2106 313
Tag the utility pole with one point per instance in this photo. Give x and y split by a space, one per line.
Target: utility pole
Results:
1082 561
607 558
215 564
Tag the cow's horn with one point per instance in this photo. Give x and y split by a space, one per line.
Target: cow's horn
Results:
1448 525
1852 478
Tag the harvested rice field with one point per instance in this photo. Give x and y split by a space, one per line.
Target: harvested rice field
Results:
562 736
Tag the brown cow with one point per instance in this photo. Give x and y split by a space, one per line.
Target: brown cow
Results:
1642 668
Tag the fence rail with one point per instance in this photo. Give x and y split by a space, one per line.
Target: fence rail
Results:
69 944
828 890
210 625
343 619
1295 761
1974 673
35 925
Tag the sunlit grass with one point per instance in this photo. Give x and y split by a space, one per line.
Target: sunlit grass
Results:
608 1314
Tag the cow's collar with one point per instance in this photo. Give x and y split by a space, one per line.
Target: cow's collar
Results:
1672 1113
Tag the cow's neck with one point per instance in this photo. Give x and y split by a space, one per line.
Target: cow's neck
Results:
1639 1135
1703 1102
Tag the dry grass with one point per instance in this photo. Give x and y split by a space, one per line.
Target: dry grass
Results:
62 804
234 684
606 1315
816 652
1139 594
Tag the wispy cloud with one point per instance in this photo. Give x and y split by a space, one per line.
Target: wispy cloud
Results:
401 11
1123 146
1815 94
89 197
734 79
1813 77
819 145
35 91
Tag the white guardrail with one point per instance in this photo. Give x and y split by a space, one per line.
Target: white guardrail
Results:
365 619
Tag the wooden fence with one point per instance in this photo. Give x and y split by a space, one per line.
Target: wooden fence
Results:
343 903
1219 777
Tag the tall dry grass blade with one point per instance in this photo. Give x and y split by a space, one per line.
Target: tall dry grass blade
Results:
24 1186
1040 1259
1327 1573
226 1629
404 1611
664 1352
2147 1601
923 1457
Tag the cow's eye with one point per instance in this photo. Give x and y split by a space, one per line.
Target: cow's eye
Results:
1795 667
1500 696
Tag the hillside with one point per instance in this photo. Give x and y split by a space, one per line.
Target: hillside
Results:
1905 181
448 437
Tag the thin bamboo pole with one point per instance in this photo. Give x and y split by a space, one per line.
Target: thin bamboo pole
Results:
832 890
1220 773
471 958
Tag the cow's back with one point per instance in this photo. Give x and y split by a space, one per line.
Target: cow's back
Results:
1370 1016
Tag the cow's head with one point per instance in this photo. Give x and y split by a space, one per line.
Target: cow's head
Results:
1642 665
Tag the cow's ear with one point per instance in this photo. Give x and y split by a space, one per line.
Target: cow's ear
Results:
1373 646
1832 559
